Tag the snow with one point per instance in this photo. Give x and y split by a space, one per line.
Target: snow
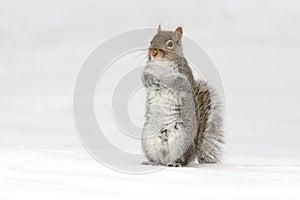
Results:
53 173
255 46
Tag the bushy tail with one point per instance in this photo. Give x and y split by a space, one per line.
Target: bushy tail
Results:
210 138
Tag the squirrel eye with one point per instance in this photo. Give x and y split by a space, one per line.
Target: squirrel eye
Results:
170 44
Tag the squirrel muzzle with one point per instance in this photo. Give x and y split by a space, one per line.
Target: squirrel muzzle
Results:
156 53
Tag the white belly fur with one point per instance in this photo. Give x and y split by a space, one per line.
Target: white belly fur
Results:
163 116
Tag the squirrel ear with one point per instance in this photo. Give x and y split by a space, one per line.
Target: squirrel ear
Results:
178 34
158 28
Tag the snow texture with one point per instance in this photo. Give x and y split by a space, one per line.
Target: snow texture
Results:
255 46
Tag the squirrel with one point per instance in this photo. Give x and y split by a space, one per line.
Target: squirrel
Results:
182 120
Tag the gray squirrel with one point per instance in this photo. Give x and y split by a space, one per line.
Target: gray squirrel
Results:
182 120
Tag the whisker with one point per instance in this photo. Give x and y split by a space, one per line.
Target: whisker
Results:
143 55
143 49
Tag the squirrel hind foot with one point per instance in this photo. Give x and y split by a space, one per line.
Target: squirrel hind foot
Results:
150 163
174 164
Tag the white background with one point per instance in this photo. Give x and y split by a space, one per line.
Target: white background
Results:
254 44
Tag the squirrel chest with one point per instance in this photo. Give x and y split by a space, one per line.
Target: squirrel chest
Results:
163 133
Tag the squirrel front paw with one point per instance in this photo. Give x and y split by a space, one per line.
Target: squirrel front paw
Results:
178 84
151 81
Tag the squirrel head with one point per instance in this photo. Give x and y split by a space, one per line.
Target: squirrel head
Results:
166 45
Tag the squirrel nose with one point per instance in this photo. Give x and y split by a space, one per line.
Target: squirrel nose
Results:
153 52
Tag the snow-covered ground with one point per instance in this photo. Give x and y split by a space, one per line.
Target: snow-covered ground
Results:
36 173
255 46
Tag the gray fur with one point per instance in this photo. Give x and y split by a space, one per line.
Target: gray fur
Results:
210 138
182 119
